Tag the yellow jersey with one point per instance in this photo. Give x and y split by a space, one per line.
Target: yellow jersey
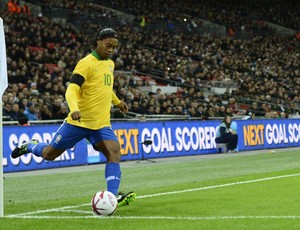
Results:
96 93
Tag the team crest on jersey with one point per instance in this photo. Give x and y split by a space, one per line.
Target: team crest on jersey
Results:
58 138
111 68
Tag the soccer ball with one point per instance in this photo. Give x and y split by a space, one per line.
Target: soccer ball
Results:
104 203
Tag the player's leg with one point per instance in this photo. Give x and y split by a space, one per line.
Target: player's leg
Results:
111 151
39 149
65 137
106 141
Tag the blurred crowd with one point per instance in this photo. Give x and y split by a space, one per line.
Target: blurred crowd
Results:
261 66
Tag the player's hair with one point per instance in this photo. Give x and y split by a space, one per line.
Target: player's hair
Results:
106 33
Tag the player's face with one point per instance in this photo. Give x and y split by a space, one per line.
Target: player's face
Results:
106 47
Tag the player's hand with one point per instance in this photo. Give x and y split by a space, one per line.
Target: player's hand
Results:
76 115
123 107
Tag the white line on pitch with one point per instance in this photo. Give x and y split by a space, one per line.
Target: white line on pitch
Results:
77 211
49 210
219 186
156 217
162 194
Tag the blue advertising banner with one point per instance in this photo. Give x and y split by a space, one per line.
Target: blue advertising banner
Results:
169 139
12 135
264 134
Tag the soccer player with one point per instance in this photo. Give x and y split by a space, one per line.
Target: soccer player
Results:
89 96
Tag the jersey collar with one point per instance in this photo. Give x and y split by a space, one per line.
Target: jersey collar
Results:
96 55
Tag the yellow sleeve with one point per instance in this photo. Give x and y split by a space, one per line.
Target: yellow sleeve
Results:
115 100
72 96
82 68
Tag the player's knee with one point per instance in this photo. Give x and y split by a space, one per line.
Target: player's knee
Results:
114 156
50 154
49 157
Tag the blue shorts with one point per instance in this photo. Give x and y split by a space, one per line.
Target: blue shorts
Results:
68 135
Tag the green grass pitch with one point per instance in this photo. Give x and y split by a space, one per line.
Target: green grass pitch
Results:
247 190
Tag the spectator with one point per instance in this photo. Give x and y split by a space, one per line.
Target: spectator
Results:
150 110
16 115
25 9
62 113
46 113
226 135
135 108
222 111
253 108
6 112
23 121
228 112
30 112
249 115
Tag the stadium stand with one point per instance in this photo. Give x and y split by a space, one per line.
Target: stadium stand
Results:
209 58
